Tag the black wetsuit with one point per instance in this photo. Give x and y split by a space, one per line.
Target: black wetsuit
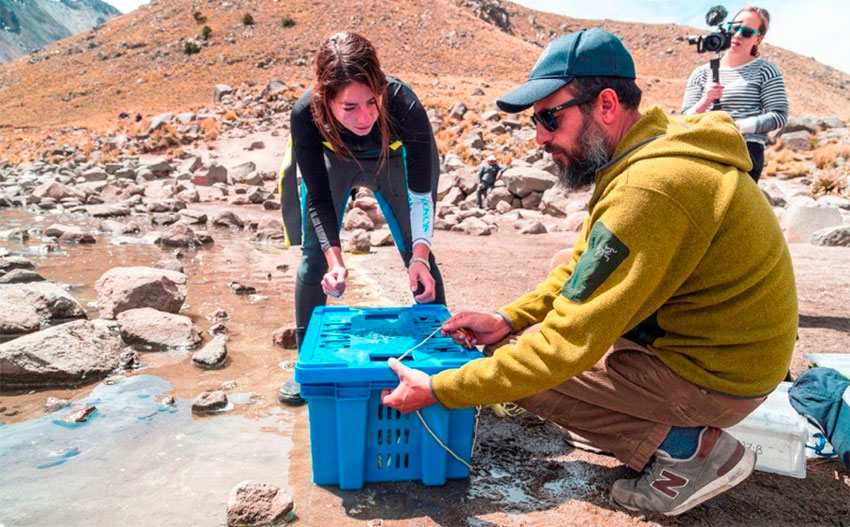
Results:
328 180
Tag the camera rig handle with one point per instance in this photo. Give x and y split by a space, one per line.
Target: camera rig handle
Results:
714 64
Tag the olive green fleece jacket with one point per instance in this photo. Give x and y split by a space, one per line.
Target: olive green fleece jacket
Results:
680 252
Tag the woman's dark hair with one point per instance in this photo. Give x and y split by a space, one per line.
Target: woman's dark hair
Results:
764 16
343 58
627 90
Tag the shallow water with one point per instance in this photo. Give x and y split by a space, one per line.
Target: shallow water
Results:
136 461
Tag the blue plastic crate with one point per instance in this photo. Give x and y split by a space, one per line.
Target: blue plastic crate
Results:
342 368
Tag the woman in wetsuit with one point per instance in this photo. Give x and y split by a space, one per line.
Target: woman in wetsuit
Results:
357 127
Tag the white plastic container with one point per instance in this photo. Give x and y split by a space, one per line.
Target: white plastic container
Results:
777 434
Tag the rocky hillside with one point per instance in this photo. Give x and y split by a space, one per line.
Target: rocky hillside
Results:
450 50
27 25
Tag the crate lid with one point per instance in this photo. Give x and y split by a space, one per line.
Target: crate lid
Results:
352 345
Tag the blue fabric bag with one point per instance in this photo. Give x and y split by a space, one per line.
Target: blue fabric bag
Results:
822 395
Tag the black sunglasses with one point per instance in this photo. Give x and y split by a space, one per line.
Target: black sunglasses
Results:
546 118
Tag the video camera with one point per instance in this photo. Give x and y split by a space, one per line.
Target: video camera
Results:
715 42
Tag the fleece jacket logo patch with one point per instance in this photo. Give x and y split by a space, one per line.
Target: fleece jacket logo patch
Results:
605 252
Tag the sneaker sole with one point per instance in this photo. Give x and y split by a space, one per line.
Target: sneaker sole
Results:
736 475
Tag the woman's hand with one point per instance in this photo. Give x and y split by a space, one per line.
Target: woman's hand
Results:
333 283
470 329
714 93
420 274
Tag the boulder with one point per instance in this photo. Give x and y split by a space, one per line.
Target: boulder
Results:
147 329
123 288
212 356
228 218
23 307
220 90
169 265
801 221
209 402
107 210
833 236
522 181
358 219
359 243
68 354
797 141
381 238
179 235
8 263
58 191
20 276
117 227
252 503
475 227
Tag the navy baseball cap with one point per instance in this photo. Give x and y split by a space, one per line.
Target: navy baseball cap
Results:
586 53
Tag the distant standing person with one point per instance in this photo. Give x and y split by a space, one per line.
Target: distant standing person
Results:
751 89
489 172
357 127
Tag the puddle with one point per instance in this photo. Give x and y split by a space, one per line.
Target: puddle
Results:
136 461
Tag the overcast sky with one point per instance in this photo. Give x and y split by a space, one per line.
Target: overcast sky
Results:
816 28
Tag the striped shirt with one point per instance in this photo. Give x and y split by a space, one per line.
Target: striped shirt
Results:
753 95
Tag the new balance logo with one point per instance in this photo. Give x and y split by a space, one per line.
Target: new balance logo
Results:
668 482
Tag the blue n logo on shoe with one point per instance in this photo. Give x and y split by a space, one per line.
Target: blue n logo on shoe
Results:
669 484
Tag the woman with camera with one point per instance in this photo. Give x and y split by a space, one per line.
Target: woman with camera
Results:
357 127
751 89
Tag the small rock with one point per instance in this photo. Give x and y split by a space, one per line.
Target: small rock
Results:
218 314
241 289
169 265
80 415
167 400
218 329
251 503
212 356
54 404
129 360
209 402
228 385
285 337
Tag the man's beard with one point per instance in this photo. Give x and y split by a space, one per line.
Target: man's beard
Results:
591 154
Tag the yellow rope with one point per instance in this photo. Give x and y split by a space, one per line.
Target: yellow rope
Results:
428 428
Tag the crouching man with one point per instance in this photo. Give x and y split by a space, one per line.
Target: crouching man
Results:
677 312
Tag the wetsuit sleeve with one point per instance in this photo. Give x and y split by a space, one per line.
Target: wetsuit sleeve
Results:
641 247
410 119
414 128
309 154
421 217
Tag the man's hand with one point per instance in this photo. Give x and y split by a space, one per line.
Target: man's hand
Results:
333 283
413 391
470 329
419 274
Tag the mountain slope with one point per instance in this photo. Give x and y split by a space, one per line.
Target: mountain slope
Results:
445 48
26 25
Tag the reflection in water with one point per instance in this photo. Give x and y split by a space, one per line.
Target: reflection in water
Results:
136 461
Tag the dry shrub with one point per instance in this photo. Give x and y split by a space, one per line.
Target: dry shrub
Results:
783 156
825 157
209 126
830 182
795 170
446 140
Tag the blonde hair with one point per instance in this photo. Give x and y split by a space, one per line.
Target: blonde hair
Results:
764 16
